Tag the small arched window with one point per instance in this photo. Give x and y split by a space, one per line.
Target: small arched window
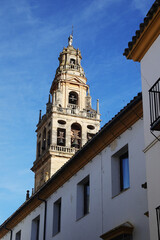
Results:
72 61
73 98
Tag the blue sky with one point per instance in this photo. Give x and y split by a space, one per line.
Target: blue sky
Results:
33 33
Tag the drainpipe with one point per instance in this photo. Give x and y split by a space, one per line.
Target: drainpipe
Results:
9 230
45 216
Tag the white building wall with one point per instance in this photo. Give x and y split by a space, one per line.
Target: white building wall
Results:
131 204
26 224
88 227
106 212
150 73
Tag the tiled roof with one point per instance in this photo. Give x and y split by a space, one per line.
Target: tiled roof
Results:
142 26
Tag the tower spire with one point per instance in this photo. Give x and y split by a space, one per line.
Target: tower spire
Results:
72 31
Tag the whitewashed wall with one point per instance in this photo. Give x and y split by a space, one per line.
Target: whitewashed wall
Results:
105 212
131 204
150 73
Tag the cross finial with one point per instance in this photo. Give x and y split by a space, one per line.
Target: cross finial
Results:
72 30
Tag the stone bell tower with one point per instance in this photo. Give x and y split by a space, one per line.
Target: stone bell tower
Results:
69 121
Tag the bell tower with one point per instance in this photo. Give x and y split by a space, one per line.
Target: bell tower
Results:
69 121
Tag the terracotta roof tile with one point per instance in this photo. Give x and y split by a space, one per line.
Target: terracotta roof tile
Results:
142 26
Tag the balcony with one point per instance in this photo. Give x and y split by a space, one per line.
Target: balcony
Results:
56 148
74 110
154 100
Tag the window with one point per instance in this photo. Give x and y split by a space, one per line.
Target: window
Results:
120 171
39 149
35 228
83 197
86 197
124 172
73 98
76 135
57 217
72 61
18 236
49 138
154 100
61 136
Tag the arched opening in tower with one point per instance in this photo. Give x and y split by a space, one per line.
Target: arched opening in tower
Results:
73 98
76 133
61 136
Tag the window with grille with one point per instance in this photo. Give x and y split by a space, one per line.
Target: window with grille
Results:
154 100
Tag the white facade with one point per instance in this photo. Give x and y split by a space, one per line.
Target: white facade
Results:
145 48
150 73
105 211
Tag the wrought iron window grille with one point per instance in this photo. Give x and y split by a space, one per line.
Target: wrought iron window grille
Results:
154 101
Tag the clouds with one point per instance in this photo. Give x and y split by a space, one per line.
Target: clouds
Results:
23 31
20 10
32 35
96 7
16 18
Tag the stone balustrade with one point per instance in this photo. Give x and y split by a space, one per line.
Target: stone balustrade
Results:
75 111
64 149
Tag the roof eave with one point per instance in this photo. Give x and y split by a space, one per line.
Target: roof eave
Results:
144 38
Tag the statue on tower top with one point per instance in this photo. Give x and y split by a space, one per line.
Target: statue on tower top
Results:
70 39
